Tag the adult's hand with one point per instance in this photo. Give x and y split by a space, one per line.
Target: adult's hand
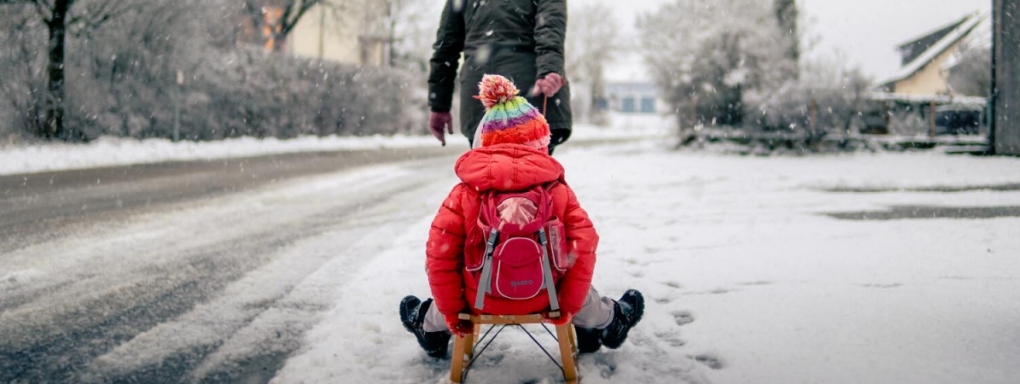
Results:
548 85
439 124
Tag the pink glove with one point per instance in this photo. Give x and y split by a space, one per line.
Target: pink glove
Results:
440 122
548 85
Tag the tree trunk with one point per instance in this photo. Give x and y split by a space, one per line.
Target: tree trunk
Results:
595 114
391 44
786 15
57 25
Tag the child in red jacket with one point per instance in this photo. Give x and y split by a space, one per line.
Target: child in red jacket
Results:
511 154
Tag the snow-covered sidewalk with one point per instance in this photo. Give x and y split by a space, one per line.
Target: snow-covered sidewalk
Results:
113 151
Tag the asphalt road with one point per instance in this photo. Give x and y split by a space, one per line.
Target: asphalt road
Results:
142 273
36 207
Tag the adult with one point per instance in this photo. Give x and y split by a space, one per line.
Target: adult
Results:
519 39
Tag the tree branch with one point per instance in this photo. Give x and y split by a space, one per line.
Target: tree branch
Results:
94 18
292 15
44 9
257 20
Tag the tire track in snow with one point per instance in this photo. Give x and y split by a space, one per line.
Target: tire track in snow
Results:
79 297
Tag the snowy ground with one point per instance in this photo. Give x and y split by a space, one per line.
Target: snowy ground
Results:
747 279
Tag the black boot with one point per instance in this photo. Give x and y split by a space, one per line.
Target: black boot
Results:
589 340
412 315
628 311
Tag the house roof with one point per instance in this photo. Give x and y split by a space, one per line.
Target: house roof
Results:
922 51
912 49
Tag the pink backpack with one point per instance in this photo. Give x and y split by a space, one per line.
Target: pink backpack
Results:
525 250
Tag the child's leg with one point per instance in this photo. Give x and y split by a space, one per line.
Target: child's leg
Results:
434 321
596 313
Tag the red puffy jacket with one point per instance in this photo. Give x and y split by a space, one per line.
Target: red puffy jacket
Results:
455 234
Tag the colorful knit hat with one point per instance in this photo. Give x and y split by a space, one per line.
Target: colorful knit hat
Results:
508 118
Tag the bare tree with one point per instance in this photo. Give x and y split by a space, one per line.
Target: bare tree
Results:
273 20
971 76
408 27
787 15
19 63
591 45
970 73
706 56
173 66
59 20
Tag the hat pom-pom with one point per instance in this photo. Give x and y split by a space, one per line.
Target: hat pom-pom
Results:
495 89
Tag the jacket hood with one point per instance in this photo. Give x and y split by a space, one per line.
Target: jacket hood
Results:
507 167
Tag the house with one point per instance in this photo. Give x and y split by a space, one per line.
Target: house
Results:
924 60
344 31
632 97
629 90
910 102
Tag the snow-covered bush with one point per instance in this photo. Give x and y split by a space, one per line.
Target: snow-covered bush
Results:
20 72
253 93
176 63
707 55
730 63
592 42
826 98
970 73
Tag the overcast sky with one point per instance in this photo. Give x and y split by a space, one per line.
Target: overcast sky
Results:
866 32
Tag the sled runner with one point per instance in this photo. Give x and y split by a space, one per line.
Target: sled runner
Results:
464 347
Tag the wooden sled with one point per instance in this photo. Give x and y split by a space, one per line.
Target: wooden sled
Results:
464 354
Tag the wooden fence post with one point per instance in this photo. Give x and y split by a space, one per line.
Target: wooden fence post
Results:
813 116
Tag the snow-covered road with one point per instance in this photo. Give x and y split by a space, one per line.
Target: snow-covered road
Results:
260 266
763 270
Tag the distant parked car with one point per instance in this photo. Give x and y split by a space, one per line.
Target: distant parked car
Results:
958 120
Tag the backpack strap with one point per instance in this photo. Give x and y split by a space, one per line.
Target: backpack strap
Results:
485 281
550 285
548 187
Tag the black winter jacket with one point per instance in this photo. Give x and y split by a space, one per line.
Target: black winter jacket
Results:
520 39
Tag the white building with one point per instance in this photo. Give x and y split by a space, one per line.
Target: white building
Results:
343 31
630 89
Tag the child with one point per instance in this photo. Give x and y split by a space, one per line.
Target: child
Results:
511 154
